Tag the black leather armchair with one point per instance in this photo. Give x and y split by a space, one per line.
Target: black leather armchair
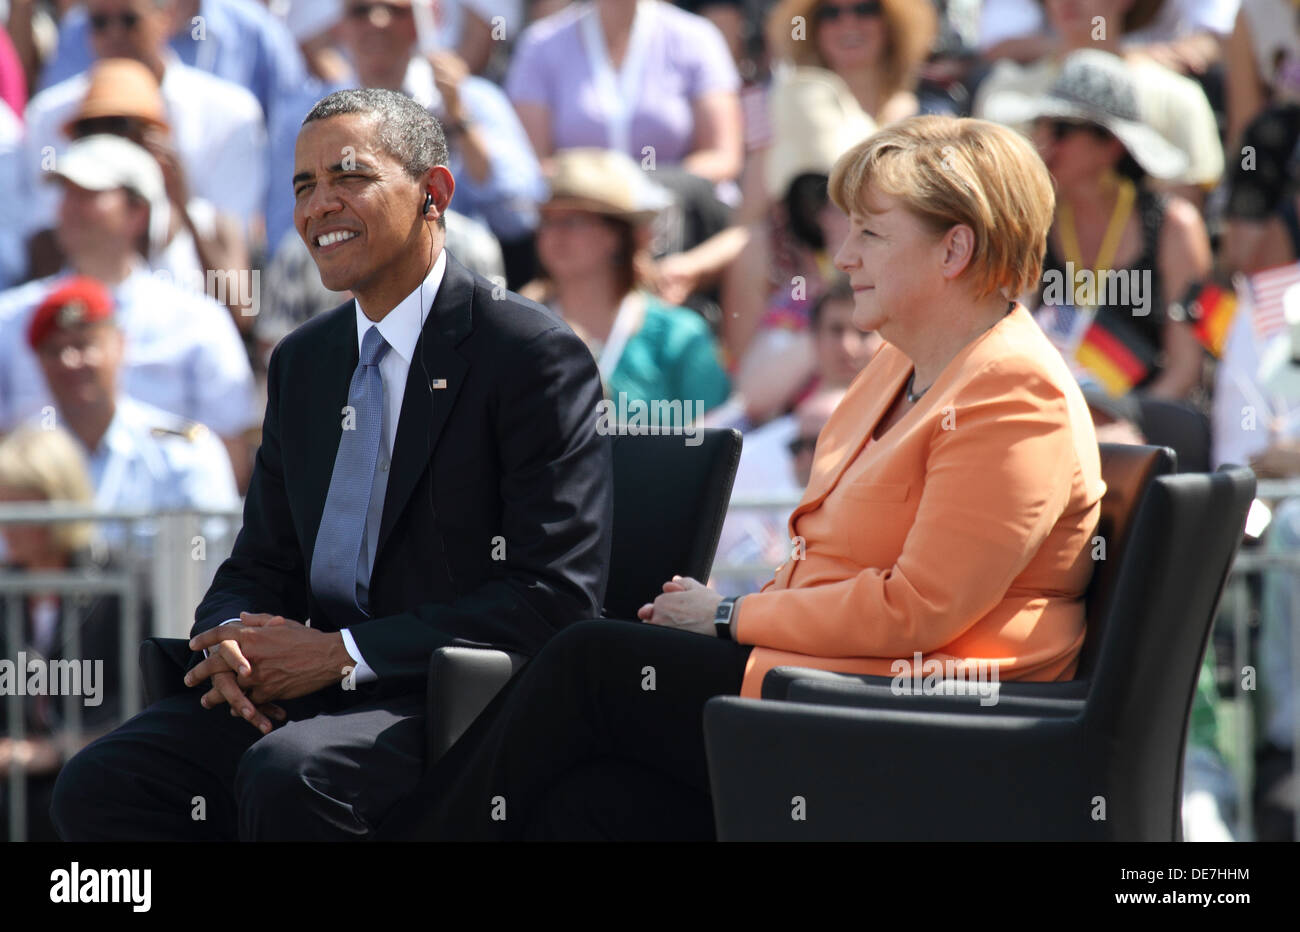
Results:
1097 758
1179 426
669 504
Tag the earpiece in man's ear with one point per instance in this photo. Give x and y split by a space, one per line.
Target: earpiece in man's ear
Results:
428 202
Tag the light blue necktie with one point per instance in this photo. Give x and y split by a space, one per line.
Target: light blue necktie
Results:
334 563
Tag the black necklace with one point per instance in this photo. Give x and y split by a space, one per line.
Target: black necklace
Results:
913 398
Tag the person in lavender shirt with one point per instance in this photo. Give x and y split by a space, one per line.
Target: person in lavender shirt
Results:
641 77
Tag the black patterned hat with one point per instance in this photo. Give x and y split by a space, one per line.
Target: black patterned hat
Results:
1094 87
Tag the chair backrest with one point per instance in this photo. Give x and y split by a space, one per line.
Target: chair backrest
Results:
669 502
1127 471
1180 548
1179 426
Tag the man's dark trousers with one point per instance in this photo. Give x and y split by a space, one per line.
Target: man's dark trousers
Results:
179 771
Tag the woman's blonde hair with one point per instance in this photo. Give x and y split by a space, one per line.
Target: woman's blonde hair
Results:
50 464
949 171
910 30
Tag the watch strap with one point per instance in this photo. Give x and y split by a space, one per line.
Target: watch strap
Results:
722 618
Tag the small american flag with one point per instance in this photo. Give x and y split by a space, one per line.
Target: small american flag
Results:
1267 290
1064 325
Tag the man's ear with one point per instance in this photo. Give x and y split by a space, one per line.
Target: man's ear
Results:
958 250
438 182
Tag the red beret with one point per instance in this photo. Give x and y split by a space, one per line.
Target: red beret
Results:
75 302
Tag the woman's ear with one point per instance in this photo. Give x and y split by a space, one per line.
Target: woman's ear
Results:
959 250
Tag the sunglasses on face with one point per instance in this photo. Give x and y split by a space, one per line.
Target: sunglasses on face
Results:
572 221
1062 129
829 13
361 11
802 445
99 22
107 125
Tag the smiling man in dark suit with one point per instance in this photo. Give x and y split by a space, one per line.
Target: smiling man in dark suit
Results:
430 474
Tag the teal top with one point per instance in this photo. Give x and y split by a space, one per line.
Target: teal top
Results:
1203 728
671 358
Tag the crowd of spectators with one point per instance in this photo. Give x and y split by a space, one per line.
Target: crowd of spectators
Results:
655 173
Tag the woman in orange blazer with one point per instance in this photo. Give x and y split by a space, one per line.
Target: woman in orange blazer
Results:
954 495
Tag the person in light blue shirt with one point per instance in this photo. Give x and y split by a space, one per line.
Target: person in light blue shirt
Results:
238 40
139 457
153 460
183 353
498 179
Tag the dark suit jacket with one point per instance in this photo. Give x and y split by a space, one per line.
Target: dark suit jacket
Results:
497 520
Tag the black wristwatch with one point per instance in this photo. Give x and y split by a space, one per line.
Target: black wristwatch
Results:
722 618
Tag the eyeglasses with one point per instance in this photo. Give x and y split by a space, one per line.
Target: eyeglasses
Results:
99 22
802 445
363 10
1060 129
867 9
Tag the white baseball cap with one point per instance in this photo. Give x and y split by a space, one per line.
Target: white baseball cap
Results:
104 162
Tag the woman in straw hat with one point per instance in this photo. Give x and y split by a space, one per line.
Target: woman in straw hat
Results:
592 239
1174 104
1119 253
953 497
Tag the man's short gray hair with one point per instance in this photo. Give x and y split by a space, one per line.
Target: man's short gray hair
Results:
405 130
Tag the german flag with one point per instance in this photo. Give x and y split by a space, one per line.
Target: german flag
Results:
1211 312
1115 354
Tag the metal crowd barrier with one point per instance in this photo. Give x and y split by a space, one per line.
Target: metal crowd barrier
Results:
161 565
1237 605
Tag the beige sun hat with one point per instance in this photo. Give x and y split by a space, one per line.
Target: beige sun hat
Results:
121 87
815 120
605 182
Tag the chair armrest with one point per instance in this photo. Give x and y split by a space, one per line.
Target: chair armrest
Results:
821 687
462 681
163 662
786 771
